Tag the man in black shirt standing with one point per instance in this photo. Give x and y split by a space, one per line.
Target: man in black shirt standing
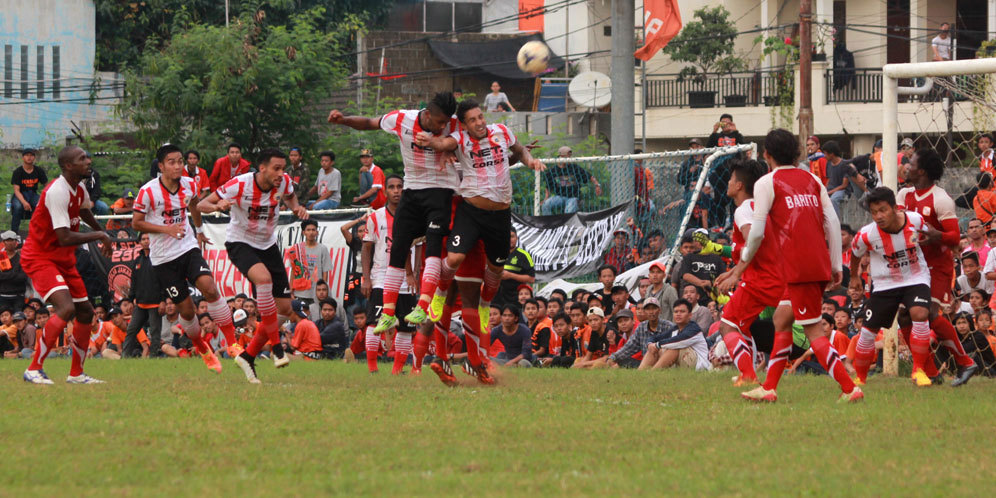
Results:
724 133
563 185
518 270
701 270
27 180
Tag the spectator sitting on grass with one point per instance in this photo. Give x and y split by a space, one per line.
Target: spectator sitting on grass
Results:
29 335
540 326
637 342
119 322
579 324
661 291
685 344
563 185
686 246
701 270
597 346
619 301
307 342
497 101
556 305
700 314
332 329
328 185
567 353
515 338
607 276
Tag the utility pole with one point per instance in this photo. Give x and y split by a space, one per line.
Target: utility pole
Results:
805 73
622 77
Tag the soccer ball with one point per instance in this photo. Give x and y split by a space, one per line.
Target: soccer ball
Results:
533 57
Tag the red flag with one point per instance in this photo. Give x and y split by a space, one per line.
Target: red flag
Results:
663 21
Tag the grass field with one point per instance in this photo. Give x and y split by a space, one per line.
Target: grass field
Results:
169 426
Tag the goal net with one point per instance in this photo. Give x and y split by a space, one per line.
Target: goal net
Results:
667 193
947 106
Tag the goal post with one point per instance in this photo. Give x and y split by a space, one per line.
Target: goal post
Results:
936 74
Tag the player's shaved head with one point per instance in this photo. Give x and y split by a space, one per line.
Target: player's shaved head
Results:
68 154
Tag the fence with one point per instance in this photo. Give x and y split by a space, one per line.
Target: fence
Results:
743 89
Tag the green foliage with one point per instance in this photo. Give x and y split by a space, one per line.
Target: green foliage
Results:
252 83
707 44
127 28
783 112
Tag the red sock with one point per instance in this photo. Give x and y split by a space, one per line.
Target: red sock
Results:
402 348
780 349
472 331
864 353
920 345
373 348
222 315
829 359
53 329
948 337
80 344
439 337
259 339
229 332
430 280
742 354
198 340
392 284
421 348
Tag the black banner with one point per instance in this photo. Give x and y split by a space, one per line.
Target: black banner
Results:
568 245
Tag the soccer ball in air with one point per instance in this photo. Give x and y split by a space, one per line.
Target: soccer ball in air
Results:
533 57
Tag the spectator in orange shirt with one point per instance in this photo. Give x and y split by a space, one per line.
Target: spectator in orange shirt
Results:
817 160
115 330
986 154
984 202
307 342
124 205
228 167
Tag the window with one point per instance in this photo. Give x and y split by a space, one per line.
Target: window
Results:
8 71
405 17
40 67
56 73
24 71
438 16
467 17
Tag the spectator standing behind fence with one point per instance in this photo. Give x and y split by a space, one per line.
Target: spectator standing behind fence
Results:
724 133
701 270
817 160
201 180
497 101
298 171
839 174
518 270
147 294
27 179
943 44
563 185
372 181
318 259
228 167
13 280
984 203
691 169
977 242
328 184
124 205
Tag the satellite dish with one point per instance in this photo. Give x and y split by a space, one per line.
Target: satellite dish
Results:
590 89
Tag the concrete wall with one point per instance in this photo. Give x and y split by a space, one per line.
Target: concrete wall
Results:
35 23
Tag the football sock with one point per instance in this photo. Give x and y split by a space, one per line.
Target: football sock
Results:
193 331
373 348
948 337
259 340
472 332
864 353
439 337
80 343
780 349
420 349
430 281
829 359
222 315
742 354
402 348
492 280
267 307
920 344
446 274
53 329
392 284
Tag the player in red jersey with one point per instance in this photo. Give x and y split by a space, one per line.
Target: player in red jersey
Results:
49 260
797 206
161 211
935 205
425 204
255 199
761 285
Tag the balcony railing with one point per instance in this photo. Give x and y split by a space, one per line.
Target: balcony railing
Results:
860 85
754 88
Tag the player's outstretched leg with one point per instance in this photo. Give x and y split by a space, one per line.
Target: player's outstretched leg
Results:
864 354
192 328
948 337
372 345
780 349
80 342
402 349
220 313
742 354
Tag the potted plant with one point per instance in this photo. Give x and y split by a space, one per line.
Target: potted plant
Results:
706 44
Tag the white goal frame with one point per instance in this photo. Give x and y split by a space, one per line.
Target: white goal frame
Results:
891 74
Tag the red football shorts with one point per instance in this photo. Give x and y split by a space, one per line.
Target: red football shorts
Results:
49 276
472 268
748 301
806 299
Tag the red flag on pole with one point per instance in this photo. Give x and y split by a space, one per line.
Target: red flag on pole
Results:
662 21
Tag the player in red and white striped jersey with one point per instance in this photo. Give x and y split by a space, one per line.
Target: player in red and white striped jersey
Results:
254 199
898 274
483 154
807 235
49 260
425 203
161 210
935 205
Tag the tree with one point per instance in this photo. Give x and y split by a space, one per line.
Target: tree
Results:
126 28
707 44
251 83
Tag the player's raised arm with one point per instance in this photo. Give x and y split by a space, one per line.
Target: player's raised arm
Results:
436 143
522 152
296 207
213 203
362 123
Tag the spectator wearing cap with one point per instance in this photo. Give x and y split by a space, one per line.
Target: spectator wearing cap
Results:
518 270
306 342
564 181
298 171
597 345
514 337
620 255
372 182
13 280
637 343
701 270
685 344
228 167
691 169
27 179
817 160
328 184
124 205
332 329
147 294
664 294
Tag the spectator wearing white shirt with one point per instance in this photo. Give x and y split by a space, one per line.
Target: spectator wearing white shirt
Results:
497 101
943 45
971 278
328 185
